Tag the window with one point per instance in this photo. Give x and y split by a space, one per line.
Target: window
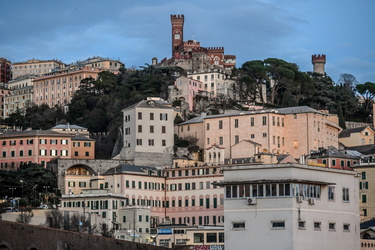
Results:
43 152
151 116
252 121
346 227
151 129
139 128
76 144
301 224
64 142
42 141
220 124
278 224
163 142
238 225
53 141
236 123
87 153
331 226
221 141
139 142
29 152
87 144
264 120
211 237
236 139
364 198
207 126
198 237
331 193
163 116
363 174
317 225
264 134
151 142
53 152
75 153
163 129
295 144
139 115
345 194
64 152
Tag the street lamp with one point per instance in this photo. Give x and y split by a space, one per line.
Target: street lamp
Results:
22 189
46 190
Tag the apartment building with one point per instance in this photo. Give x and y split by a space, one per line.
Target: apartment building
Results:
296 206
5 70
4 92
99 62
148 133
36 67
41 146
185 90
357 136
21 95
214 81
295 131
59 87
366 172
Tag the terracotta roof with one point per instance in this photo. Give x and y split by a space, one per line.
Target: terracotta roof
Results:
13 133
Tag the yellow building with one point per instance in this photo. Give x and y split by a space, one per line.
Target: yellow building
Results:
357 136
35 67
366 172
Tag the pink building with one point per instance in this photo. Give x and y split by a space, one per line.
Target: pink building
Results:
41 146
295 131
185 89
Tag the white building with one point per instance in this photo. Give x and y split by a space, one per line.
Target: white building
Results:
290 206
148 134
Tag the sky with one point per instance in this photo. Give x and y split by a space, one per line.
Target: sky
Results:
135 31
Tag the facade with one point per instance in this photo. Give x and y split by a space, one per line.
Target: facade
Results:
197 237
366 172
190 55
185 90
59 87
318 62
357 136
5 70
99 62
215 81
41 146
148 134
21 95
290 206
129 222
295 131
36 67
332 158
4 92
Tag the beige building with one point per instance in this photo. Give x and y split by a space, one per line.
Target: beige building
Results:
99 62
148 133
290 206
21 95
357 136
295 131
366 173
58 88
36 67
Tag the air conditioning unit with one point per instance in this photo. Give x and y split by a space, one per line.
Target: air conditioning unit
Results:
312 201
251 201
299 199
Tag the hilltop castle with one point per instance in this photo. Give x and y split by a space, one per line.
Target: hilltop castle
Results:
190 56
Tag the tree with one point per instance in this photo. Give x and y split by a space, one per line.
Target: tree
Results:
341 116
367 91
348 81
105 231
79 223
25 216
54 218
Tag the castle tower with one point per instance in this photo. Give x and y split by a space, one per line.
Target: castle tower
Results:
177 31
318 62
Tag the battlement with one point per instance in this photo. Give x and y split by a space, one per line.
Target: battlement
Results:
215 48
177 17
318 58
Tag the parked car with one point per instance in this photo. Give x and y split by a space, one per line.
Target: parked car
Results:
43 206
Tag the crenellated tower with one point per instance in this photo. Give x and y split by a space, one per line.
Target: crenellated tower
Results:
177 31
318 62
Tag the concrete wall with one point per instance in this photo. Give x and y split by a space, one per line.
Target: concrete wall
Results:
15 236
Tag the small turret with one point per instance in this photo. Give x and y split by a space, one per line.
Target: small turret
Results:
318 62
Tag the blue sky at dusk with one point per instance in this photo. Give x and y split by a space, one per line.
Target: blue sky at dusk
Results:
136 31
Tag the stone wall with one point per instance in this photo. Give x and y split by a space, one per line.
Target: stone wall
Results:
14 236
